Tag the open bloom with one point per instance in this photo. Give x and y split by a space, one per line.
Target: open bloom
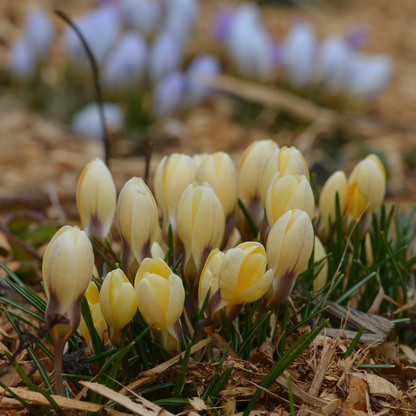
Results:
285 161
366 189
286 193
67 269
118 303
200 229
161 296
234 278
289 247
96 199
249 180
219 171
137 221
336 183
93 297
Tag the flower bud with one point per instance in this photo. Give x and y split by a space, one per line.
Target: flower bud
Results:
172 176
366 189
287 193
142 15
198 158
249 177
285 161
319 254
96 199
67 269
93 298
118 303
219 171
200 229
161 297
157 251
337 182
289 247
169 94
369 250
22 61
137 221
235 278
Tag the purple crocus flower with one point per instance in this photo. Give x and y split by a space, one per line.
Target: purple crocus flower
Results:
202 67
357 36
86 123
221 24
142 15
22 63
169 94
126 62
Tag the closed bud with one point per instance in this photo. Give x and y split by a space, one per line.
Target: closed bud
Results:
366 190
118 303
219 171
172 176
369 250
157 251
96 199
285 161
67 269
198 158
93 298
319 254
287 193
249 180
200 229
234 278
137 221
336 183
161 296
289 247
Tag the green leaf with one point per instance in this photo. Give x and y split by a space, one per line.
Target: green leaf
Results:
349 292
291 398
250 221
354 343
180 382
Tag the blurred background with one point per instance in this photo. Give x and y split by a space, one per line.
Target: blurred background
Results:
335 78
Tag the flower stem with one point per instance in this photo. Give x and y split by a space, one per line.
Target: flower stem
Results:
59 345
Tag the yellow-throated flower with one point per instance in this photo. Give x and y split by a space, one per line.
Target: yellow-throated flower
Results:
118 303
161 296
289 247
336 183
285 161
96 199
366 190
93 297
137 221
173 175
219 171
200 229
287 193
67 269
234 278
249 179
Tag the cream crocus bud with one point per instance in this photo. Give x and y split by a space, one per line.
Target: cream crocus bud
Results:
200 229
198 158
289 247
137 221
337 182
219 171
249 180
67 269
287 193
366 190
118 303
319 254
172 177
235 278
161 296
93 298
285 161
96 199
369 250
157 251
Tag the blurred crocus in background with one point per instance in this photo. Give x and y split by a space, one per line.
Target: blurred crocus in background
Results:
22 63
169 94
142 15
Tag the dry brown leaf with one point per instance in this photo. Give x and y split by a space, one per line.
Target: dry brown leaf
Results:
378 385
408 352
357 395
198 404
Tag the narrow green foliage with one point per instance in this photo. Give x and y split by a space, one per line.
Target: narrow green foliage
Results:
291 398
180 382
28 406
95 339
259 325
354 343
250 221
349 292
376 366
284 329
103 256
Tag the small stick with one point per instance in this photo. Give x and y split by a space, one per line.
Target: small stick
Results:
96 80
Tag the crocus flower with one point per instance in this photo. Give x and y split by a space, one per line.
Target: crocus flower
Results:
86 123
161 296
298 53
22 61
319 254
137 221
234 278
142 15
169 94
221 24
126 63
289 247
118 303
67 270
181 16
39 32
96 199
357 36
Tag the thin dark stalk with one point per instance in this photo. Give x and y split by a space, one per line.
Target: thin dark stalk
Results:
58 346
148 155
96 80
